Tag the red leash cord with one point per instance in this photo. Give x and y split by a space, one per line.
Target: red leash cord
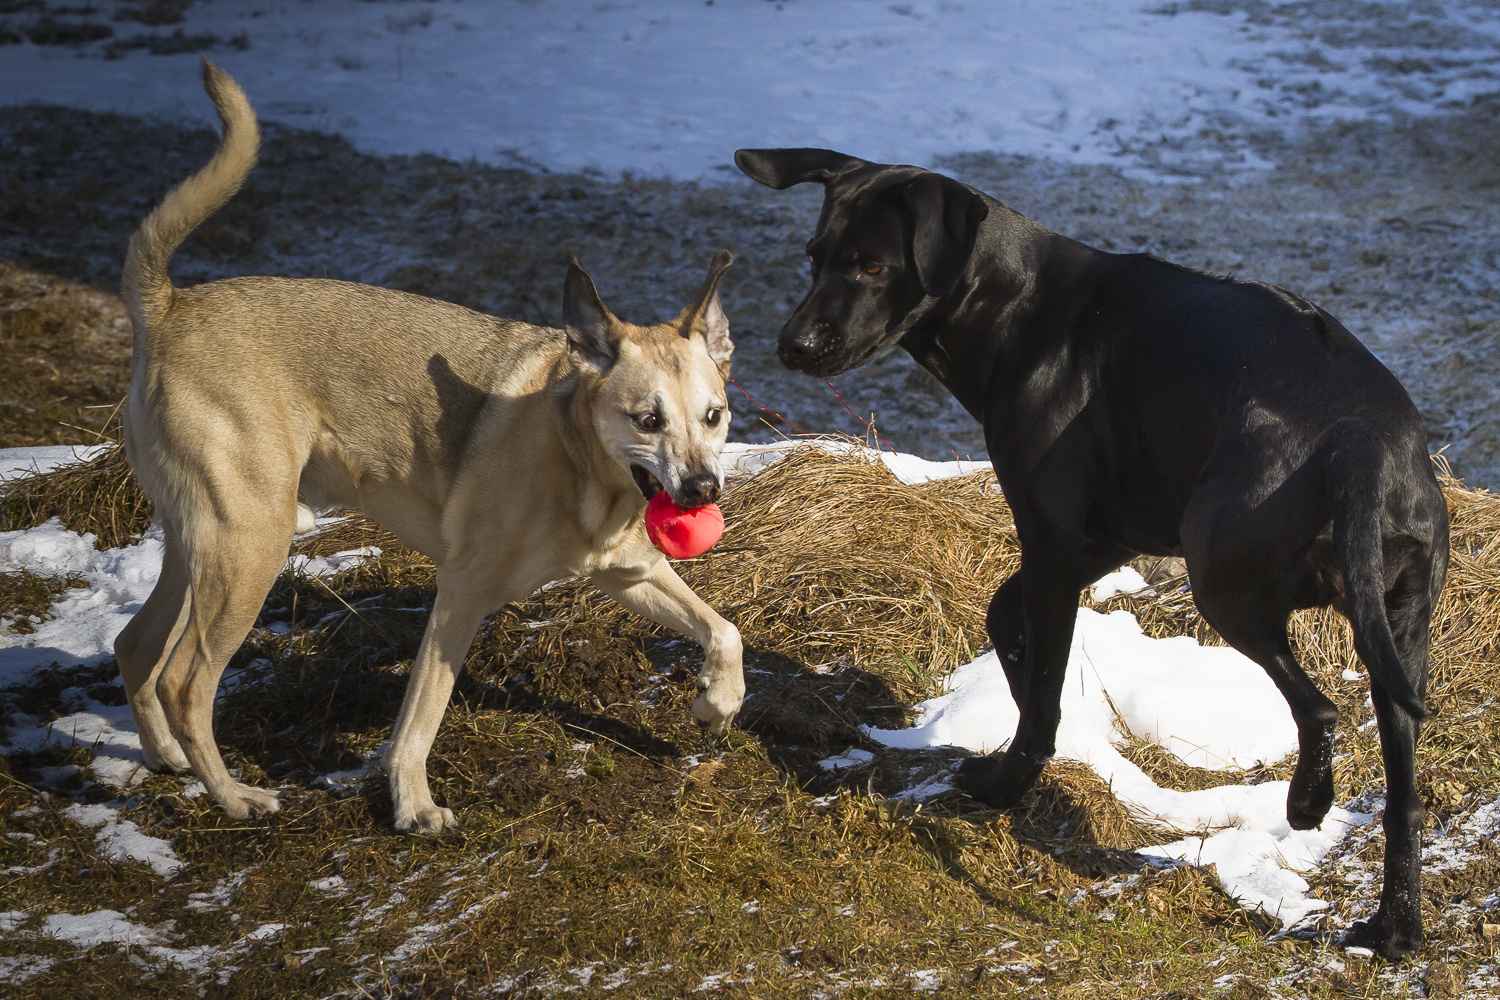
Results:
869 429
765 410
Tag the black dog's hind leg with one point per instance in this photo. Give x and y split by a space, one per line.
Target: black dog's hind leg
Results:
1043 600
1251 623
1396 928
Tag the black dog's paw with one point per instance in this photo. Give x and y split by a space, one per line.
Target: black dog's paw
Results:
1306 817
1309 799
1390 944
985 779
1308 813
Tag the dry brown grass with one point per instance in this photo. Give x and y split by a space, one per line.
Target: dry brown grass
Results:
623 836
64 359
100 495
26 599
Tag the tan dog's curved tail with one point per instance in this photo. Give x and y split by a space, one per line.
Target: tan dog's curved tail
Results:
147 286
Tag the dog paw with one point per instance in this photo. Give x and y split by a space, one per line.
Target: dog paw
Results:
1391 945
166 759
1301 817
249 802
715 712
999 782
1308 800
426 819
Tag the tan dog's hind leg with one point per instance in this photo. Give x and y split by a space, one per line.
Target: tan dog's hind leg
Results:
142 648
456 614
665 599
231 568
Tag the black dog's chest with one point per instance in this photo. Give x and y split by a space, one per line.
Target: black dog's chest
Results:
1115 520
1094 482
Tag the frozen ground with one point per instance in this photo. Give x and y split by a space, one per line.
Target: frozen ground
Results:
1120 682
675 88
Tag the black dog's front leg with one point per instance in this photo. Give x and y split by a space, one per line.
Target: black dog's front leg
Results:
1049 604
1006 625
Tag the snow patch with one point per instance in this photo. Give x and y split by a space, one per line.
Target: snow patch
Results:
1209 706
121 839
556 83
1124 580
851 758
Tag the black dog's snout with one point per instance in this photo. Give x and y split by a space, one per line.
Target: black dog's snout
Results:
806 344
700 489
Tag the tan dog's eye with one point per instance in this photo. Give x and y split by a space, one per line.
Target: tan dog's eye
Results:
872 268
713 416
648 422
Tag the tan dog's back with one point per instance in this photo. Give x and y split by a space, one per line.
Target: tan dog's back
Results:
256 350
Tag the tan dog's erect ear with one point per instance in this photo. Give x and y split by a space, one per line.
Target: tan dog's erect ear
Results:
707 305
587 323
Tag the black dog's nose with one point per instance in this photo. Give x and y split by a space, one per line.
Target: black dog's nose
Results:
700 489
802 345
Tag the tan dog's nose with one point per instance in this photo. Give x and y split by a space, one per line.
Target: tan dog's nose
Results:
700 489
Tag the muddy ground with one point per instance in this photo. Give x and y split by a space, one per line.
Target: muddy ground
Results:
608 850
1388 225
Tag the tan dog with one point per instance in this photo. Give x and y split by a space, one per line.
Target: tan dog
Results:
511 454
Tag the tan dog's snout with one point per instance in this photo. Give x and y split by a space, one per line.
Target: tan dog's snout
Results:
699 489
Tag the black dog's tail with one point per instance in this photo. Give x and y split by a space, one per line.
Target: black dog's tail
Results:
1356 469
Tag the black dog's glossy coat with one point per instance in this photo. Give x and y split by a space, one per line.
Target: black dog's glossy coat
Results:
1133 406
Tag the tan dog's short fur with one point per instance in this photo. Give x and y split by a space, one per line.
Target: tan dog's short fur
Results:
511 454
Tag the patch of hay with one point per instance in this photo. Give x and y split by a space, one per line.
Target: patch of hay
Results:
832 558
826 559
1071 803
99 496
64 359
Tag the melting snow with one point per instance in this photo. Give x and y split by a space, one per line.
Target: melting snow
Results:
122 839
1208 705
557 82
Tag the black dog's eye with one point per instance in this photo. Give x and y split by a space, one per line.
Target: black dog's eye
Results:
713 416
869 267
648 422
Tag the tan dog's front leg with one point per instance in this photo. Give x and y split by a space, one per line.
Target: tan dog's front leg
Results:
662 596
450 632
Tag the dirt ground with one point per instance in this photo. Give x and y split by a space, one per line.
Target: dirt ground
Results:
1387 225
607 849
585 791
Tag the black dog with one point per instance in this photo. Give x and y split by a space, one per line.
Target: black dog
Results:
1132 406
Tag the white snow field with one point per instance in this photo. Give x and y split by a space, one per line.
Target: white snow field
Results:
675 88
1209 706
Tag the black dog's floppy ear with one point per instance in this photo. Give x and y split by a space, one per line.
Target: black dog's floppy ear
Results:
585 320
707 305
946 217
781 168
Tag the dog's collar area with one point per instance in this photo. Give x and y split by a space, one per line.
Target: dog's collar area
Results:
647 482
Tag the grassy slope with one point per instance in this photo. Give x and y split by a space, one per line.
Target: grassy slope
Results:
604 841
624 844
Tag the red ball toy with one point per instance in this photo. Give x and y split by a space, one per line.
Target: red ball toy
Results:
682 532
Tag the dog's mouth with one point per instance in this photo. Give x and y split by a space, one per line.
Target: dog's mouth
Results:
647 481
